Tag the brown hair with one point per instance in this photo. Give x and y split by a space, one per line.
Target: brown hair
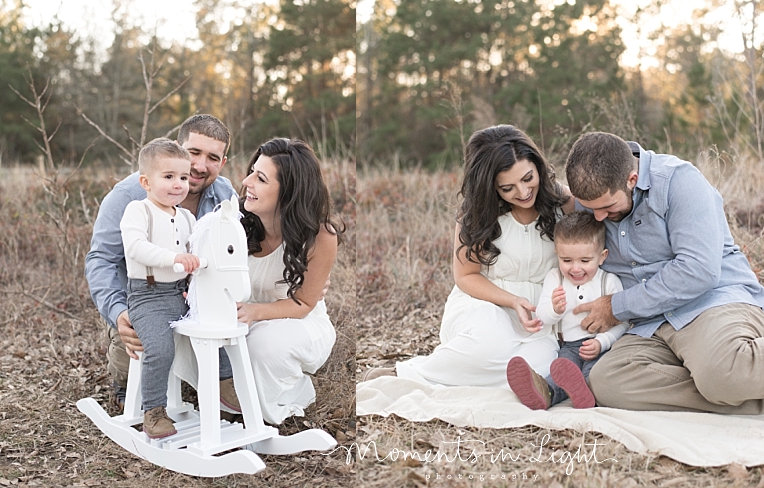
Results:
580 228
157 149
598 162
304 205
206 125
489 152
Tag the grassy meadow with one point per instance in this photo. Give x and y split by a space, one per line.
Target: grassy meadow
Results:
406 226
53 347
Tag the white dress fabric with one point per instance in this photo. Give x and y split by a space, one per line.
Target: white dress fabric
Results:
283 350
478 338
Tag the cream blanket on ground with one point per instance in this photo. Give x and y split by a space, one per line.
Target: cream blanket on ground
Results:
697 439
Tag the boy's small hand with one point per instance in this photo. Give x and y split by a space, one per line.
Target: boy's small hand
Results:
189 262
558 300
590 349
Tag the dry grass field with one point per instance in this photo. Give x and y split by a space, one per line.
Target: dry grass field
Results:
405 223
52 348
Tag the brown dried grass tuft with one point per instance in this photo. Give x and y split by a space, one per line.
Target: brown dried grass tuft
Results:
53 348
406 223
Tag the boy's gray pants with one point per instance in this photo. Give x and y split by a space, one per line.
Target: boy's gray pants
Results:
151 309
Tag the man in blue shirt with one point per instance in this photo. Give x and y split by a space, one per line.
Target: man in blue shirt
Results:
207 139
696 341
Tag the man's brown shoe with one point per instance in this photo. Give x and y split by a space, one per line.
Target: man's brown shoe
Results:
228 395
156 423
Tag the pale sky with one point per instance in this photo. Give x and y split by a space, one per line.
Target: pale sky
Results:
674 12
174 20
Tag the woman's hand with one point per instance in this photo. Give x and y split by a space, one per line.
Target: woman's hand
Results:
248 312
524 308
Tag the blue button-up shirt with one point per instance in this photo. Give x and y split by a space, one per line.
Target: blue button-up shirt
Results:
105 267
674 252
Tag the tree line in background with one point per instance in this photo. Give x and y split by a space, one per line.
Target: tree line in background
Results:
432 71
429 73
275 70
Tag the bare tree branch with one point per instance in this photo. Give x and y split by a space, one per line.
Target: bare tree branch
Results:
30 123
42 94
21 96
128 162
136 144
82 159
170 94
44 89
39 146
105 135
50 138
49 305
149 70
149 82
143 66
159 67
170 132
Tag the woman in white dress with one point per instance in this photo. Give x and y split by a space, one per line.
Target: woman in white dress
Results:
292 243
502 250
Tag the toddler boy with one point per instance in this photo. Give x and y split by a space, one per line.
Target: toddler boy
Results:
155 236
579 241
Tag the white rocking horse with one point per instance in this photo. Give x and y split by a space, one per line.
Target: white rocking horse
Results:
219 241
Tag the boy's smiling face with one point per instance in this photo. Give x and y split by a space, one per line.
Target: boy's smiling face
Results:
579 261
166 184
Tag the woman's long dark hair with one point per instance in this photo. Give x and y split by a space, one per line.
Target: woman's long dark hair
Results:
489 152
304 206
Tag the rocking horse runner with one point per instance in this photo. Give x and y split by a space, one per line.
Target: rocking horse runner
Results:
219 239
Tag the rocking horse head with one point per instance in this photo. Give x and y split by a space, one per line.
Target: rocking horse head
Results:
219 238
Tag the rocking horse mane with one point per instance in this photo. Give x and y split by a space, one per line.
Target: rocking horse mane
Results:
197 238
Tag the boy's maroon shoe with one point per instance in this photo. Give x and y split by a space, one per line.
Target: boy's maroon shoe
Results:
568 377
530 388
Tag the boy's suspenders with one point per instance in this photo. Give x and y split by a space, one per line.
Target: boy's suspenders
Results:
557 327
149 270
188 221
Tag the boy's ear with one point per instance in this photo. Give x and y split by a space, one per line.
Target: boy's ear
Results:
144 181
603 256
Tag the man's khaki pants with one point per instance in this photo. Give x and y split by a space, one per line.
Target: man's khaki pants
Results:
118 360
713 364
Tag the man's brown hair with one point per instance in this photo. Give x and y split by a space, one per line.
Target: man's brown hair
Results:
597 163
206 125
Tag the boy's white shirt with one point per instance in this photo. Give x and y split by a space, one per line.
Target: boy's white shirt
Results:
570 324
169 237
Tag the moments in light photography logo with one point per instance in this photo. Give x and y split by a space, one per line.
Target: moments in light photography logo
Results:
471 452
